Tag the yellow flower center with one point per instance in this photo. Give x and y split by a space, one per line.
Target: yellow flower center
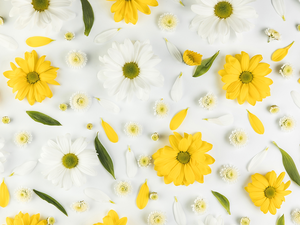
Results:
89 126
133 129
231 174
270 192
200 206
33 77
51 220
40 5
70 160
81 101
183 157
144 161
155 136
123 188
223 9
246 77
131 70
23 138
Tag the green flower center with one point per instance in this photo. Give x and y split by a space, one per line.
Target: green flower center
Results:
33 77
70 160
183 157
223 10
131 70
40 5
246 77
270 192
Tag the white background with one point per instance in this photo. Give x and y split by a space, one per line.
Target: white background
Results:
254 42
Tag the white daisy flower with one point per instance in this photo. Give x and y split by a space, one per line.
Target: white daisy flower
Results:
76 59
168 22
80 206
287 123
295 214
245 221
133 129
128 70
80 101
272 34
69 36
23 194
155 136
51 220
153 196
123 188
157 218
274 109
23 138
144 161
161 108
45 14
217 18
229 173
286 70
208 102
238 138
68 162
3 155
200 206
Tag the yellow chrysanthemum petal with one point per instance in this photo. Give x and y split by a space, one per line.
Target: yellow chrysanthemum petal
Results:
279 54
4 195
38 41
143 196
178 119
110 132
256 124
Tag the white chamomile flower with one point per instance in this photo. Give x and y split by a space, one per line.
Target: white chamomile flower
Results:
229 173
23 138
76 59
286 70
51 220
168 22
157 218
295 214
238 138
200 206
245 221
123 188
208 102
132 129
80 206
23 194
154 196
80 101
274 109
144 161
155 136
69 36
272 34
287 123
161 108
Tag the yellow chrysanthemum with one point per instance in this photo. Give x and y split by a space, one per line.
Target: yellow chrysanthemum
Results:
25 219
127 9
31 79
112 218
184 162
267 192
192 58
245 78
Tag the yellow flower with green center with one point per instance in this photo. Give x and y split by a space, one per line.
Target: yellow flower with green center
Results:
192 58
245 78
268 192
25 219
112 218
186 161
31 79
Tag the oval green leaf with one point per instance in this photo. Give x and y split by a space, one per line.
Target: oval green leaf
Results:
51 200
281 220
88 16
223 200
43 118
289 165
104 157
205 65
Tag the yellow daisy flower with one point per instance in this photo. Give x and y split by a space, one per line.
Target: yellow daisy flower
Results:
25 219
267 192
112 218
245 78
31 79
127 9
192 58
185 162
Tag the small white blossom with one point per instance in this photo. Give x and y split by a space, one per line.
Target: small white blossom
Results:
208 102
238 138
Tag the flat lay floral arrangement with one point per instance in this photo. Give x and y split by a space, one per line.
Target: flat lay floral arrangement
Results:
149 112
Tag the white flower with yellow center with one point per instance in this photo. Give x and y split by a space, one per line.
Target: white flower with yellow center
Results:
245 221
3 155
286 70
128 70
5 120
123 188
229 173
23 138
76 59
217 18
68 162
272 34
161 108
200 206
63 106
208 102
132 129
80 101
23 194
157 218
69 36
274 109
238 138
168 22
155 136
144 161
287 123
154 196
51 220
80 206
295 214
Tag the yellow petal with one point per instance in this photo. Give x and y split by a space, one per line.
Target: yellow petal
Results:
4 195
256 124
110 132
279 54
143 196
178 119
38 41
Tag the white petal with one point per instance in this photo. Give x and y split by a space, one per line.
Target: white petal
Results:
296 98
179 215
177 89
225 120
2 142
257 159
97 195
131 163
106 36
279 7
8 42
108 105
174 51
25 168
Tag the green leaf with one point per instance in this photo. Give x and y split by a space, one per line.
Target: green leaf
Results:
205 65
104 157
88 16
51 200
43 118
281 220
223 200
289 165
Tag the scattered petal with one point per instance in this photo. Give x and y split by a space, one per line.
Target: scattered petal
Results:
38 41
143 196
25 168
174 51
279 7
179 215
257 160
106 36
296 98
280 53
4 195
256 124
110 132
177 89
8 42
178 119
225 120
131 163
108 105
97 195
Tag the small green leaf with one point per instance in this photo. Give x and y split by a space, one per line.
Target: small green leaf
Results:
43 118
51 200
281 220
223 200
88 16
289 165
205 65
104 157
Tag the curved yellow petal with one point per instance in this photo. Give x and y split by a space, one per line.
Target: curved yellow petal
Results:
143 196
178 119
38 41
110 132
279 54
256 124
4 195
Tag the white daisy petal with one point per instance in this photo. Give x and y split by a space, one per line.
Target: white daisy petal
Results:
279 7
108 105
106 36
8 42
178 212
225 120
257 159
97 195
131 163
177 89
175 53
25 168
296 98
